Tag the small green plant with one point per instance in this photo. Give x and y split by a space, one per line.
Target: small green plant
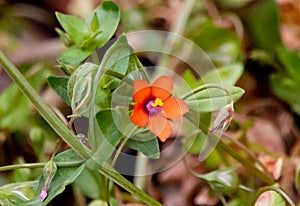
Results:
126 105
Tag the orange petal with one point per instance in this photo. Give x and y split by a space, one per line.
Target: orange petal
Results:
139 116
141 91
159 125
162 87
175 108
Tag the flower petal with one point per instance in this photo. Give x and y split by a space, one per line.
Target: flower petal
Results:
175 108
139 116
159 125
141 91
162 87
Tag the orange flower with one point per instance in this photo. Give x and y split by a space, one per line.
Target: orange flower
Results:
155 107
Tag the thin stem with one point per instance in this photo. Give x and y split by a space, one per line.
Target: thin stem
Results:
242 146
177 29
115 74
248 165
243 187
122 145
119 76
108 171
222 147
39 165
140 169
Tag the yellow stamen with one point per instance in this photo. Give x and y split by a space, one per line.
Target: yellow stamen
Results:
157 103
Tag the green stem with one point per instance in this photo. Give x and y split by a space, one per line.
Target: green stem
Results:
108 171
62 130
177 29
248 165
39 165
140 168
278 190
119 76
122 145
246 149
221 146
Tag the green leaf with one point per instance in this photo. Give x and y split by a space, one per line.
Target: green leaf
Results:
149 146
74 27
96 187
17 193
108 17
213 99
95 24
64 37
227 75
261 20
107 122
81 73
287 89
290 61
135 64
67 156
59 85
98 28
225 181
74 55
63 177
79 88
118 60
102 23
222 45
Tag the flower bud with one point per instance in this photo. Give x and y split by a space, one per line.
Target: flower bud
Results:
222 119
48 173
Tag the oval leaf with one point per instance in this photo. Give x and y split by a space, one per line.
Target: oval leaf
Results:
149 147
74 27
213 99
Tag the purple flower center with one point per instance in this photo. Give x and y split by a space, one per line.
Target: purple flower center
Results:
153 107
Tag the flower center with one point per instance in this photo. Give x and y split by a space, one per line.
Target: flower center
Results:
154 106
157 103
